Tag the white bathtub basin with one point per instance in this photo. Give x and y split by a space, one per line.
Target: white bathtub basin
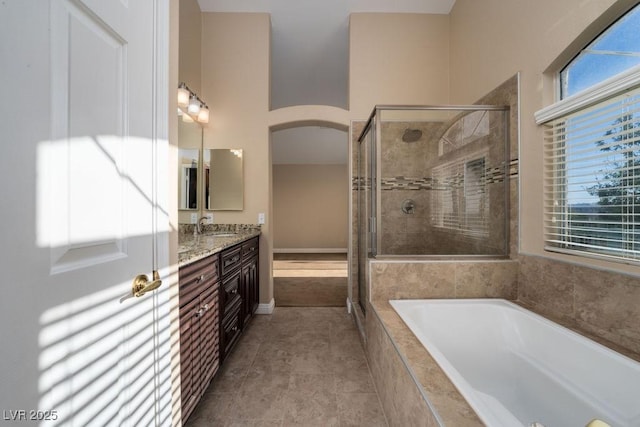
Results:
516 368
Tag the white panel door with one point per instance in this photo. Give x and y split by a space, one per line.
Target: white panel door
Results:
82 162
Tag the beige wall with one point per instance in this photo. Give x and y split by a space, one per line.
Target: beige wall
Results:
310 206
397 59
492 40
235 85
189 58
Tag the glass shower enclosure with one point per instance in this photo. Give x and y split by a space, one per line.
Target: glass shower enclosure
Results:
432 181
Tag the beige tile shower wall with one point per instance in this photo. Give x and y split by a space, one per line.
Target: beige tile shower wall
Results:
443 279
404 234
603 303
507 93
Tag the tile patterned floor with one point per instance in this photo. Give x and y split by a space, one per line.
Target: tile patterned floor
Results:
296 367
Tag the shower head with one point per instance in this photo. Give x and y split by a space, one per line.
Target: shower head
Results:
411 135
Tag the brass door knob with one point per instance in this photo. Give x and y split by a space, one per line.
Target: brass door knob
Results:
141 284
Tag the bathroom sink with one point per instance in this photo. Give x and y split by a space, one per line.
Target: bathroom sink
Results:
224 234
184 248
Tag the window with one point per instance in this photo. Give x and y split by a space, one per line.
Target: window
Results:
617 49
592 149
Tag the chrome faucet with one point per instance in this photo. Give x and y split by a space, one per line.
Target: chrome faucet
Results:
199 225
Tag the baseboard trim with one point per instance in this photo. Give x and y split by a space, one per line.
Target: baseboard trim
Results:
310 250
266 308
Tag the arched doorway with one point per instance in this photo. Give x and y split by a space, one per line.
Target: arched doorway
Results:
310 197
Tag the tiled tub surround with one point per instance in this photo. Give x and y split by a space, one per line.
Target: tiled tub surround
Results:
602 305
194 247
398 360
412 387
443 279
516 368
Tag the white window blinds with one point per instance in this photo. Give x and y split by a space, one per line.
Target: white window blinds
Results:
459 198
592 178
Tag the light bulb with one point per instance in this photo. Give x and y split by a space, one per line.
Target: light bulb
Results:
183 95
194 105
203 115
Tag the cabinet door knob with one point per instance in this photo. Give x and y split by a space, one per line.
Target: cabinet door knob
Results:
234 291
200 279
199 313
205 307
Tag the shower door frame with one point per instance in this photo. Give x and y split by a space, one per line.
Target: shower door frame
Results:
367 225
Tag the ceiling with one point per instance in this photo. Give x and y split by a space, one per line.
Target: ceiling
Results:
310 60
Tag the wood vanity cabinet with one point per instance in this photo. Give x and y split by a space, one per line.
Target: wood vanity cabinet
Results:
199 330
250 279
240 291
218 295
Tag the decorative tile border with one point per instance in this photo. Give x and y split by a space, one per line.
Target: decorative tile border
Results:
492 176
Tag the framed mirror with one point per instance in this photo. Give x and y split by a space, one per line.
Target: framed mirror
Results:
223 179
188 178
189 145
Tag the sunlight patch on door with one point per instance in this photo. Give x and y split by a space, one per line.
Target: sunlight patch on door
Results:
80 200
97 359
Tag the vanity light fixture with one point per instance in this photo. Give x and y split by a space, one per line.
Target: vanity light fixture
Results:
203 115
194 105
190 106
183 95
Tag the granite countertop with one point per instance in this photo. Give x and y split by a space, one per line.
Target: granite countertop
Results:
193 248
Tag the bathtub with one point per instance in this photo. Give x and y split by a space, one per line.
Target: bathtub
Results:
516 368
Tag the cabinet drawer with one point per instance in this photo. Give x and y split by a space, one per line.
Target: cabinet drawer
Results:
231 328
230 291
230 260
195 277
250 249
